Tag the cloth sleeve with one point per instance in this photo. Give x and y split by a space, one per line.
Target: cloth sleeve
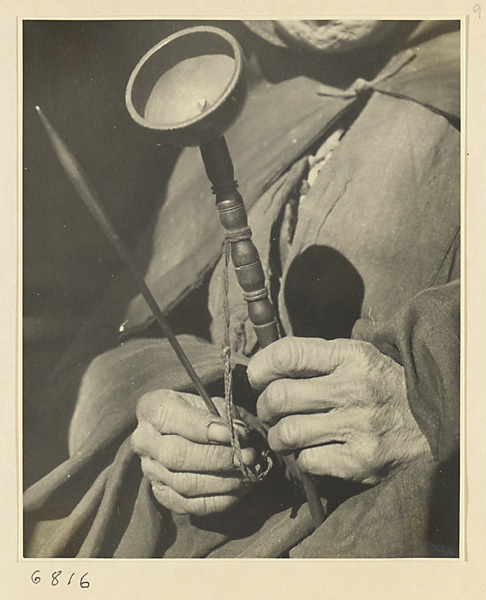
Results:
424 337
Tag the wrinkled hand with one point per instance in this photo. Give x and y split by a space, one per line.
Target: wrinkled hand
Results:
186 453
341 405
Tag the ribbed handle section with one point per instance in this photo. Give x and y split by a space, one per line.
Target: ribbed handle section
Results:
244 255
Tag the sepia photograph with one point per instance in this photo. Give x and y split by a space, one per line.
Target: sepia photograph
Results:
241 288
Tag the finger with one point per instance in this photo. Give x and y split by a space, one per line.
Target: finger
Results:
297 357
189 484
178 454
337 460
203 505
170 413
304 431
289 396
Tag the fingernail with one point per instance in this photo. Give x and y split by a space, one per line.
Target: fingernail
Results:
248 455
158 487
218 433
242 428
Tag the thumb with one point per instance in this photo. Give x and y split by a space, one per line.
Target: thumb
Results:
294 357
177 413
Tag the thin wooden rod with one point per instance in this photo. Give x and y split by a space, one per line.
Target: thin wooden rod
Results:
84 188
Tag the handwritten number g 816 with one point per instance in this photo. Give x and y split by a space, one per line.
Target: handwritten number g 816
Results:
56 579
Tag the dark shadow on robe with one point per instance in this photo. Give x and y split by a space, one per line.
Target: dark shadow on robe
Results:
323 293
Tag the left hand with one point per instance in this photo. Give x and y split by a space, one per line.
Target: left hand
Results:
186 453
341 405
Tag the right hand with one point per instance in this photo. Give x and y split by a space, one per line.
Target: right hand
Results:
186 453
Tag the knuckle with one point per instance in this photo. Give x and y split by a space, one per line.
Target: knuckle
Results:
372 455
186 484
275 397
154 406
200 506
285 434
145 406
162 495
365 460
286 356
335 349
177 455
307 462
366 388
146 467
341 350
171 453
365 425
165 414
217 458
252 371
138 439
353 350
361 348
368 356
135 441
170 499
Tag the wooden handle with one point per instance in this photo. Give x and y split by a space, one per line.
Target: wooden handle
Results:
244 255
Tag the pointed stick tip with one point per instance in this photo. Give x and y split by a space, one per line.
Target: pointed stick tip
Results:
40 113
43 118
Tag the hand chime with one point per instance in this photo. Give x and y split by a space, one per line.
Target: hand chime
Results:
190 88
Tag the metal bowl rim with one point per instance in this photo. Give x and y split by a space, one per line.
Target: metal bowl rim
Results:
238 58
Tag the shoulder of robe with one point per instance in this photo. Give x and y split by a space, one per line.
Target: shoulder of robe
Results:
432 78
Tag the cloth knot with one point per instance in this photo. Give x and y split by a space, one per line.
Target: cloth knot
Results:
361 86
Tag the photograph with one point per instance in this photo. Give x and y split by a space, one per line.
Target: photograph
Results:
241 295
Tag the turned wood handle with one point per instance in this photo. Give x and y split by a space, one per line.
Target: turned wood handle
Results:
244 255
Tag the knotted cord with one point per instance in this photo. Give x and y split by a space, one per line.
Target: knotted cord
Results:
228 372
